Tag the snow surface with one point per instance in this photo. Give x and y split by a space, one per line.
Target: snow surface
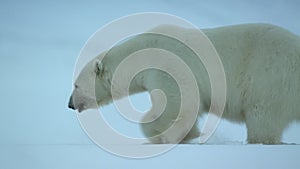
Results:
183 156
39 44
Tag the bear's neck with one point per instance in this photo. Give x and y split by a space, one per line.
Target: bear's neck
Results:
137 84
123 84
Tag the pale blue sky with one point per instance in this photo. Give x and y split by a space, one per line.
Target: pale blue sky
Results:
39 44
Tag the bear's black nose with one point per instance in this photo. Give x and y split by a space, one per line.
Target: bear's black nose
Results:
71 105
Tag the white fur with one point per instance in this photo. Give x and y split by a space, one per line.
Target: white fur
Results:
262 67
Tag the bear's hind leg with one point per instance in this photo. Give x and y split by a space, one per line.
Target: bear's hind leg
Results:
264 128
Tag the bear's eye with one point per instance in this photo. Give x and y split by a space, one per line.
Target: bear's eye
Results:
76 86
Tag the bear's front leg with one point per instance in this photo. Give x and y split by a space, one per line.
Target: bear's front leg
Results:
167 125
167 131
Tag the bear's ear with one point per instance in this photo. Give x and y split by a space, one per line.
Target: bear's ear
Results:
98 67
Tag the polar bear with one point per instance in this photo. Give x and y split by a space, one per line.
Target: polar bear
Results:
262 67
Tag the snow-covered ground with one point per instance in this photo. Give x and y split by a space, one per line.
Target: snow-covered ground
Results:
39 44
183 156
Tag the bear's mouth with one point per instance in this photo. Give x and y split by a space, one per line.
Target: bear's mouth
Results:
81 107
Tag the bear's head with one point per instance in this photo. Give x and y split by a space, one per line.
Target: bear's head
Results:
91 88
